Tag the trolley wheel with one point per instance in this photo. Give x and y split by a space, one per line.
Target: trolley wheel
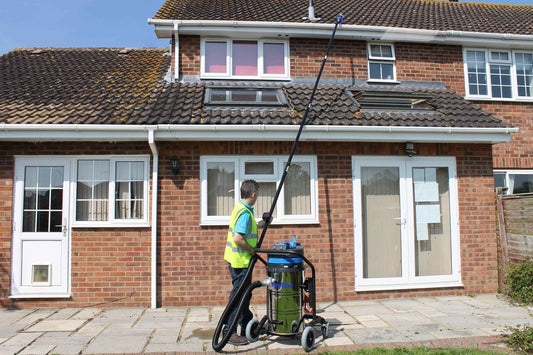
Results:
252 330
325 329
308 338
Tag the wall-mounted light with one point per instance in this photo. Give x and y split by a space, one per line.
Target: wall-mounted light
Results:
174 165
410 149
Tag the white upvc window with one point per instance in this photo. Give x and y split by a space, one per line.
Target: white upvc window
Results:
110 191
244 59
221 178
381 62
512 182
498 74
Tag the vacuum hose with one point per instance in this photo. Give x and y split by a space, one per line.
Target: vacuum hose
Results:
217 346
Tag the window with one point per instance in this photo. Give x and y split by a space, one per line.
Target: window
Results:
381 62
498 74
221 58
245 96
111 190
221 178
511 182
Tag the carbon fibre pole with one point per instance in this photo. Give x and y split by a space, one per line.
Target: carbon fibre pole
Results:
219 345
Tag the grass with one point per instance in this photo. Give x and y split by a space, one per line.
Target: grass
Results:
413 351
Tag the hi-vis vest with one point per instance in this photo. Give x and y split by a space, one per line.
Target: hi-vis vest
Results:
237 257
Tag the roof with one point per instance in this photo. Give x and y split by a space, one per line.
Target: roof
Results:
117 86
82 86
411 14
92 87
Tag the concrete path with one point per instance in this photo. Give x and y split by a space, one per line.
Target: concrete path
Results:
458 321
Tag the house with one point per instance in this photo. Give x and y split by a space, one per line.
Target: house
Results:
121 166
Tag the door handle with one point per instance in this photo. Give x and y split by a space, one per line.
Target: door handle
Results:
402 220
63 229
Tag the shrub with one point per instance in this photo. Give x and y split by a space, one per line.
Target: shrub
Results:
519 282
521 339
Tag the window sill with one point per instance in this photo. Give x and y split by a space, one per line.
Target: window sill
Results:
40 295
377 81
276 223
391 287
493 99
110 225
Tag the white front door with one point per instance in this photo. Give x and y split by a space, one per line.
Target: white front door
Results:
41 240
405 223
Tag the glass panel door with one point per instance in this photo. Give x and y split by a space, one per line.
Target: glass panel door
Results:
406 232
382 243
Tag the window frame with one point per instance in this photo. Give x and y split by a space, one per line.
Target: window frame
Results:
228 74
279 164
280 96
381 60
507 178
112 220
511 62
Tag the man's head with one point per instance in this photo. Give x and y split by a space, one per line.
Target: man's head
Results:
249 189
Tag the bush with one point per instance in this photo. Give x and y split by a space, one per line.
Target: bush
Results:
519 283
521 339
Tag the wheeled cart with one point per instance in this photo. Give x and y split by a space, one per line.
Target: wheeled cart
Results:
291 297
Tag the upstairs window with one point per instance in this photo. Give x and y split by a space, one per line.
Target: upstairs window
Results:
244 59
381 62
498 74
244 96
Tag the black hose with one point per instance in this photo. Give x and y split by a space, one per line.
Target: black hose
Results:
217 346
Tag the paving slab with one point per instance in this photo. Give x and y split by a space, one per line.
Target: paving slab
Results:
117 344
57 325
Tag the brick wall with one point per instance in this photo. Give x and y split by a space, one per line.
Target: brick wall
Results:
517 154
191 263
110 266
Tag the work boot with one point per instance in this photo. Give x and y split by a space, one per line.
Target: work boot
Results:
238 340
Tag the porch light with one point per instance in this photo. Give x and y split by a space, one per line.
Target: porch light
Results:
410 149
174 165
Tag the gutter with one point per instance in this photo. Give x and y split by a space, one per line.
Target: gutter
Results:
153 259
165 28
170 132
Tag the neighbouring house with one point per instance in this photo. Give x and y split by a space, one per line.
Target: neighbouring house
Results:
120 167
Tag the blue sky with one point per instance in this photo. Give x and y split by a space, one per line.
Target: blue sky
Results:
88 23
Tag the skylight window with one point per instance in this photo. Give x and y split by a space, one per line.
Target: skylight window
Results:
391 100
245 96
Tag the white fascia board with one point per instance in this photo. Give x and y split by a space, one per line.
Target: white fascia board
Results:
117 133
251 29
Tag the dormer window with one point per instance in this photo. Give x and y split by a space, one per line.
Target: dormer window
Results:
244 59
381 62
391 100
239 96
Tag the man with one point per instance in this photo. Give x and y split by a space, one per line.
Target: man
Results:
240 244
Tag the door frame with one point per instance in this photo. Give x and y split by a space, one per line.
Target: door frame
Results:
408 280
16 289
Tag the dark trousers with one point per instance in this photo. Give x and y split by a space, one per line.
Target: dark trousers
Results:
237 279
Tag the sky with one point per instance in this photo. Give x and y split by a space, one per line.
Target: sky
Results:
89 23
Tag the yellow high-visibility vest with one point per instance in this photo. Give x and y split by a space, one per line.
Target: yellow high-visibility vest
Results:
237 257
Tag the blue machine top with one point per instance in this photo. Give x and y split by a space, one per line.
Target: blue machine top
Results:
292 246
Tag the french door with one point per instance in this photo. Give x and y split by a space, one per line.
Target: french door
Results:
405 223
41 241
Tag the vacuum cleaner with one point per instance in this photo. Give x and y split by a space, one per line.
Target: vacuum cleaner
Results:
291 297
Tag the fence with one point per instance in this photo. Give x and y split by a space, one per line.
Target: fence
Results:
515 222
